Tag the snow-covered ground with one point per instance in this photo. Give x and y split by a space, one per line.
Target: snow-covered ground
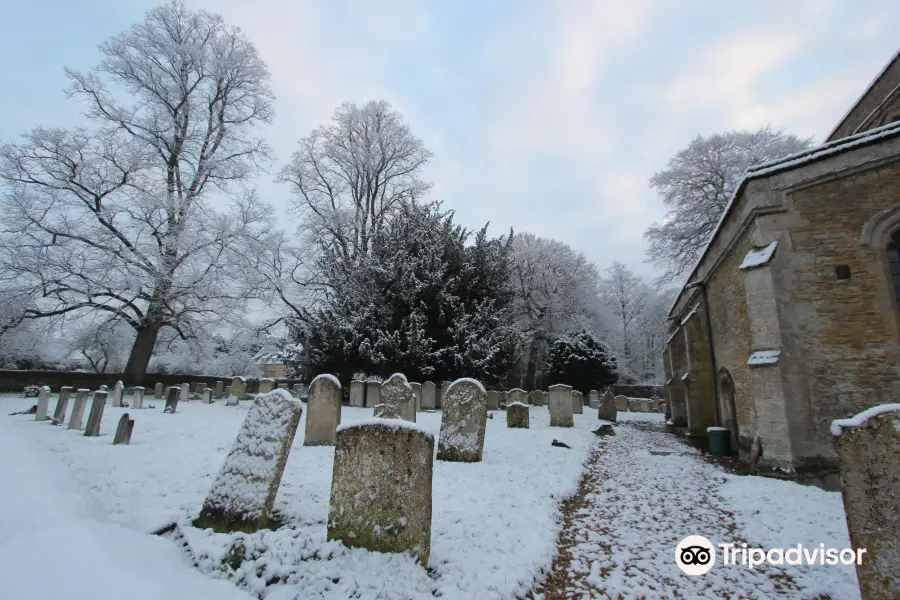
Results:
494 525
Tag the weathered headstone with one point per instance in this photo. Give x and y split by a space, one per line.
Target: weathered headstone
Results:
220 390
442 394
227 393
266 385
238 391
463 422
298 390
62 403
172 399
577 402
428 393
117 393
185 392
397 393
206 396
373 394
43 404
517 415
123 430
323 411
535 397
643 405
244 491
594 399
92 429
357 393
103 388
381 488
493 400
197 387
621 403
417 395
561 406
516 395
385 411
137 398
158 391
283 386
868 449
607 409
546 400
81 397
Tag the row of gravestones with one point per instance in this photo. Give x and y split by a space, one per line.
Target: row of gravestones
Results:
387 460
95 415
498 400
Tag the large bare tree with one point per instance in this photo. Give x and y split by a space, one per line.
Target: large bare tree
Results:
139 216
697 184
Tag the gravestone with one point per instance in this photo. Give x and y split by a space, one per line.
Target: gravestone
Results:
123 430
463 422
546 400
238 391
428 393
220 389
516 395
206 396
244 491
561 406
323 411
62 403
594 399
493 400
535 397
43 404
137 398
357 393
92 429
643 405
266 385
103 388
387 464
373 394
385 411
75 419
117 393
299 390
607 409
227 393
577 402
197 387
441 395
397 393
172 399
283 386
417 395
158 391
868 449
621 403
517 415
185 392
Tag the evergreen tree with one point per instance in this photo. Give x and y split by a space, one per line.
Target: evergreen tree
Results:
581 361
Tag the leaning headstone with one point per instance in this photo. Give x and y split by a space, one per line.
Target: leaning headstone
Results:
62 403
397 393
123 430
206 396
607 409
517 415
244 491
561 406
158 391
266 385
493 400
373 394
220 390
381 488
516 395
323 411
868 449
92 429
185 392
43 404
417 395
75 419
534 398
117 393
357 393
463 422
428 393
172 399
137 399
577 402
594 399
621 403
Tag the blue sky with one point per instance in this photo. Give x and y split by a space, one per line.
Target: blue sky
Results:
547 116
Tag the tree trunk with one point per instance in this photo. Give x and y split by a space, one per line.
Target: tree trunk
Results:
531 372
141 351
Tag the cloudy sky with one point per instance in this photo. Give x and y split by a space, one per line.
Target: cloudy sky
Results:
545 115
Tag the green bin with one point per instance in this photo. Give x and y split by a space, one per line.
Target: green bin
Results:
719 441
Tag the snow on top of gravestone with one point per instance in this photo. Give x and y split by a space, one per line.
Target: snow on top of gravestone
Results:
517 390
328 376
394 423
467 380
759 256
837 426
267 379
401 377
45 387
516 404
82 390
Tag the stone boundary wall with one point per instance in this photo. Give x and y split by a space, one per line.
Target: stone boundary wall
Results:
15 381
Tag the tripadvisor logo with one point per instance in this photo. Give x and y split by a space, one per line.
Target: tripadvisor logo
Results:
695 555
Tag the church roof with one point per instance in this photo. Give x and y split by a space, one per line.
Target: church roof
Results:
857 105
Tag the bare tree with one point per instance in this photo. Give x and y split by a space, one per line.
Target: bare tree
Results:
697 184
626 294
350 176
119 219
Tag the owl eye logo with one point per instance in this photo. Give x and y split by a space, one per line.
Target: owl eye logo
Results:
695 555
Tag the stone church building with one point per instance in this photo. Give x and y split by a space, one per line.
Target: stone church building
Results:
791 319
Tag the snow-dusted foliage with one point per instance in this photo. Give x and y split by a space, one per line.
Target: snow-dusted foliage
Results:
580 360
116 218
697 184
421 302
